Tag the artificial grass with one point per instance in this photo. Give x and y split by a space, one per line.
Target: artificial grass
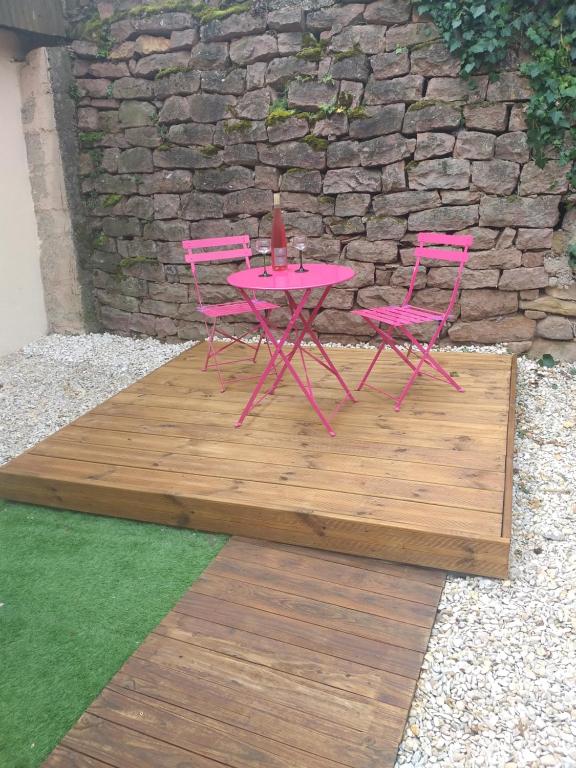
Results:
79 593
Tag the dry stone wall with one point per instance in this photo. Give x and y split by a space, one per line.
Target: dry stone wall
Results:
187 141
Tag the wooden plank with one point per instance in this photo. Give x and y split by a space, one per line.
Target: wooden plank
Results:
219 683
426 486
285 475
509 469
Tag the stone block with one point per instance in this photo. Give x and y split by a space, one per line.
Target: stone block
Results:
379 122
534 238
251 201
456 89
289 43
136 113
253 48
166 230
533 259
392 64
109 69
550 180
254 105
352 204
308 95
401 203
523 278
177 84
331 127
352 180
335 321
171 292
429 145
300 201
232 82
487 302
135 160
394 177
334 17
403 275
380 295
184 39
295 154
552 304
375 251
185 157
367 37
460 196
493 331
474 145
191 133
145 136
341 154
148 66
446 219
210 107
495 176
166 182
408 35
118 185
520 211
444 173
209 56
512 146
428 115
234 26
388 12
289 19
385 149
115 319
434 60
504 259
351 68
560 350
555 328
239 132
296 180
385 228
266 177
281 71
517 118
166 206
510 86
201 205
240 154
141 207
121 227
343 227
486 116
146 45
393 91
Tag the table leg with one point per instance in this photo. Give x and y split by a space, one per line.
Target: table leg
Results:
286 359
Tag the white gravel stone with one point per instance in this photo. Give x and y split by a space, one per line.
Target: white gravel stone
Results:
498 683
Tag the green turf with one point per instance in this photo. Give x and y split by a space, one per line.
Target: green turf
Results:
79 595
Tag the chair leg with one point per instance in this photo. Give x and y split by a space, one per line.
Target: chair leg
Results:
371 366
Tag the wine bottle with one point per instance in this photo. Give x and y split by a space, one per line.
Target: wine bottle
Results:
278 242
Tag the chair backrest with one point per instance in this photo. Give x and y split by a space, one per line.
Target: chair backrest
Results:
438 246
210 249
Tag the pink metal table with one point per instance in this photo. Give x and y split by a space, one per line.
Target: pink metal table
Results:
290 281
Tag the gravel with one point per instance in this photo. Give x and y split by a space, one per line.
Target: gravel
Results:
498 684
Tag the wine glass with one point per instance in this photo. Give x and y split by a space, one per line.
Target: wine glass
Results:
263 247
299 242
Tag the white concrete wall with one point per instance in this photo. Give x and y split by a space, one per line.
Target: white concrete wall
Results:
22 306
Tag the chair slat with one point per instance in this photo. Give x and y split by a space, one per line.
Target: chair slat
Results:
232 255
441 238
210 242
442 255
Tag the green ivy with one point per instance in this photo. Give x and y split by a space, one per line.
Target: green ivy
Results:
481 34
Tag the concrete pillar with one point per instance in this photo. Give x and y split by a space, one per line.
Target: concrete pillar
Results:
22 307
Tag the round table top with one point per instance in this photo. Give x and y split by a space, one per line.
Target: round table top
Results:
318 275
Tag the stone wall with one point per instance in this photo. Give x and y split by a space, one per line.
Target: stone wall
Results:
185 144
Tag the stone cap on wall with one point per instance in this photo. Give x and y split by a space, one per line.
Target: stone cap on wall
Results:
44 18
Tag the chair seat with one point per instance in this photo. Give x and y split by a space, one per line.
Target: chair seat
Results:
235 308
400 315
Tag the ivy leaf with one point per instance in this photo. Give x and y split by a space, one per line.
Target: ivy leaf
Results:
478 11
547 361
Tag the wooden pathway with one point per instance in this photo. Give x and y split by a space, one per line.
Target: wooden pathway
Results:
277 657
430 485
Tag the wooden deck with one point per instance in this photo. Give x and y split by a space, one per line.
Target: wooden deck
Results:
277 657
430 485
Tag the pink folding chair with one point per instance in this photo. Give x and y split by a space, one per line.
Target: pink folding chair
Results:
398 317
226 249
